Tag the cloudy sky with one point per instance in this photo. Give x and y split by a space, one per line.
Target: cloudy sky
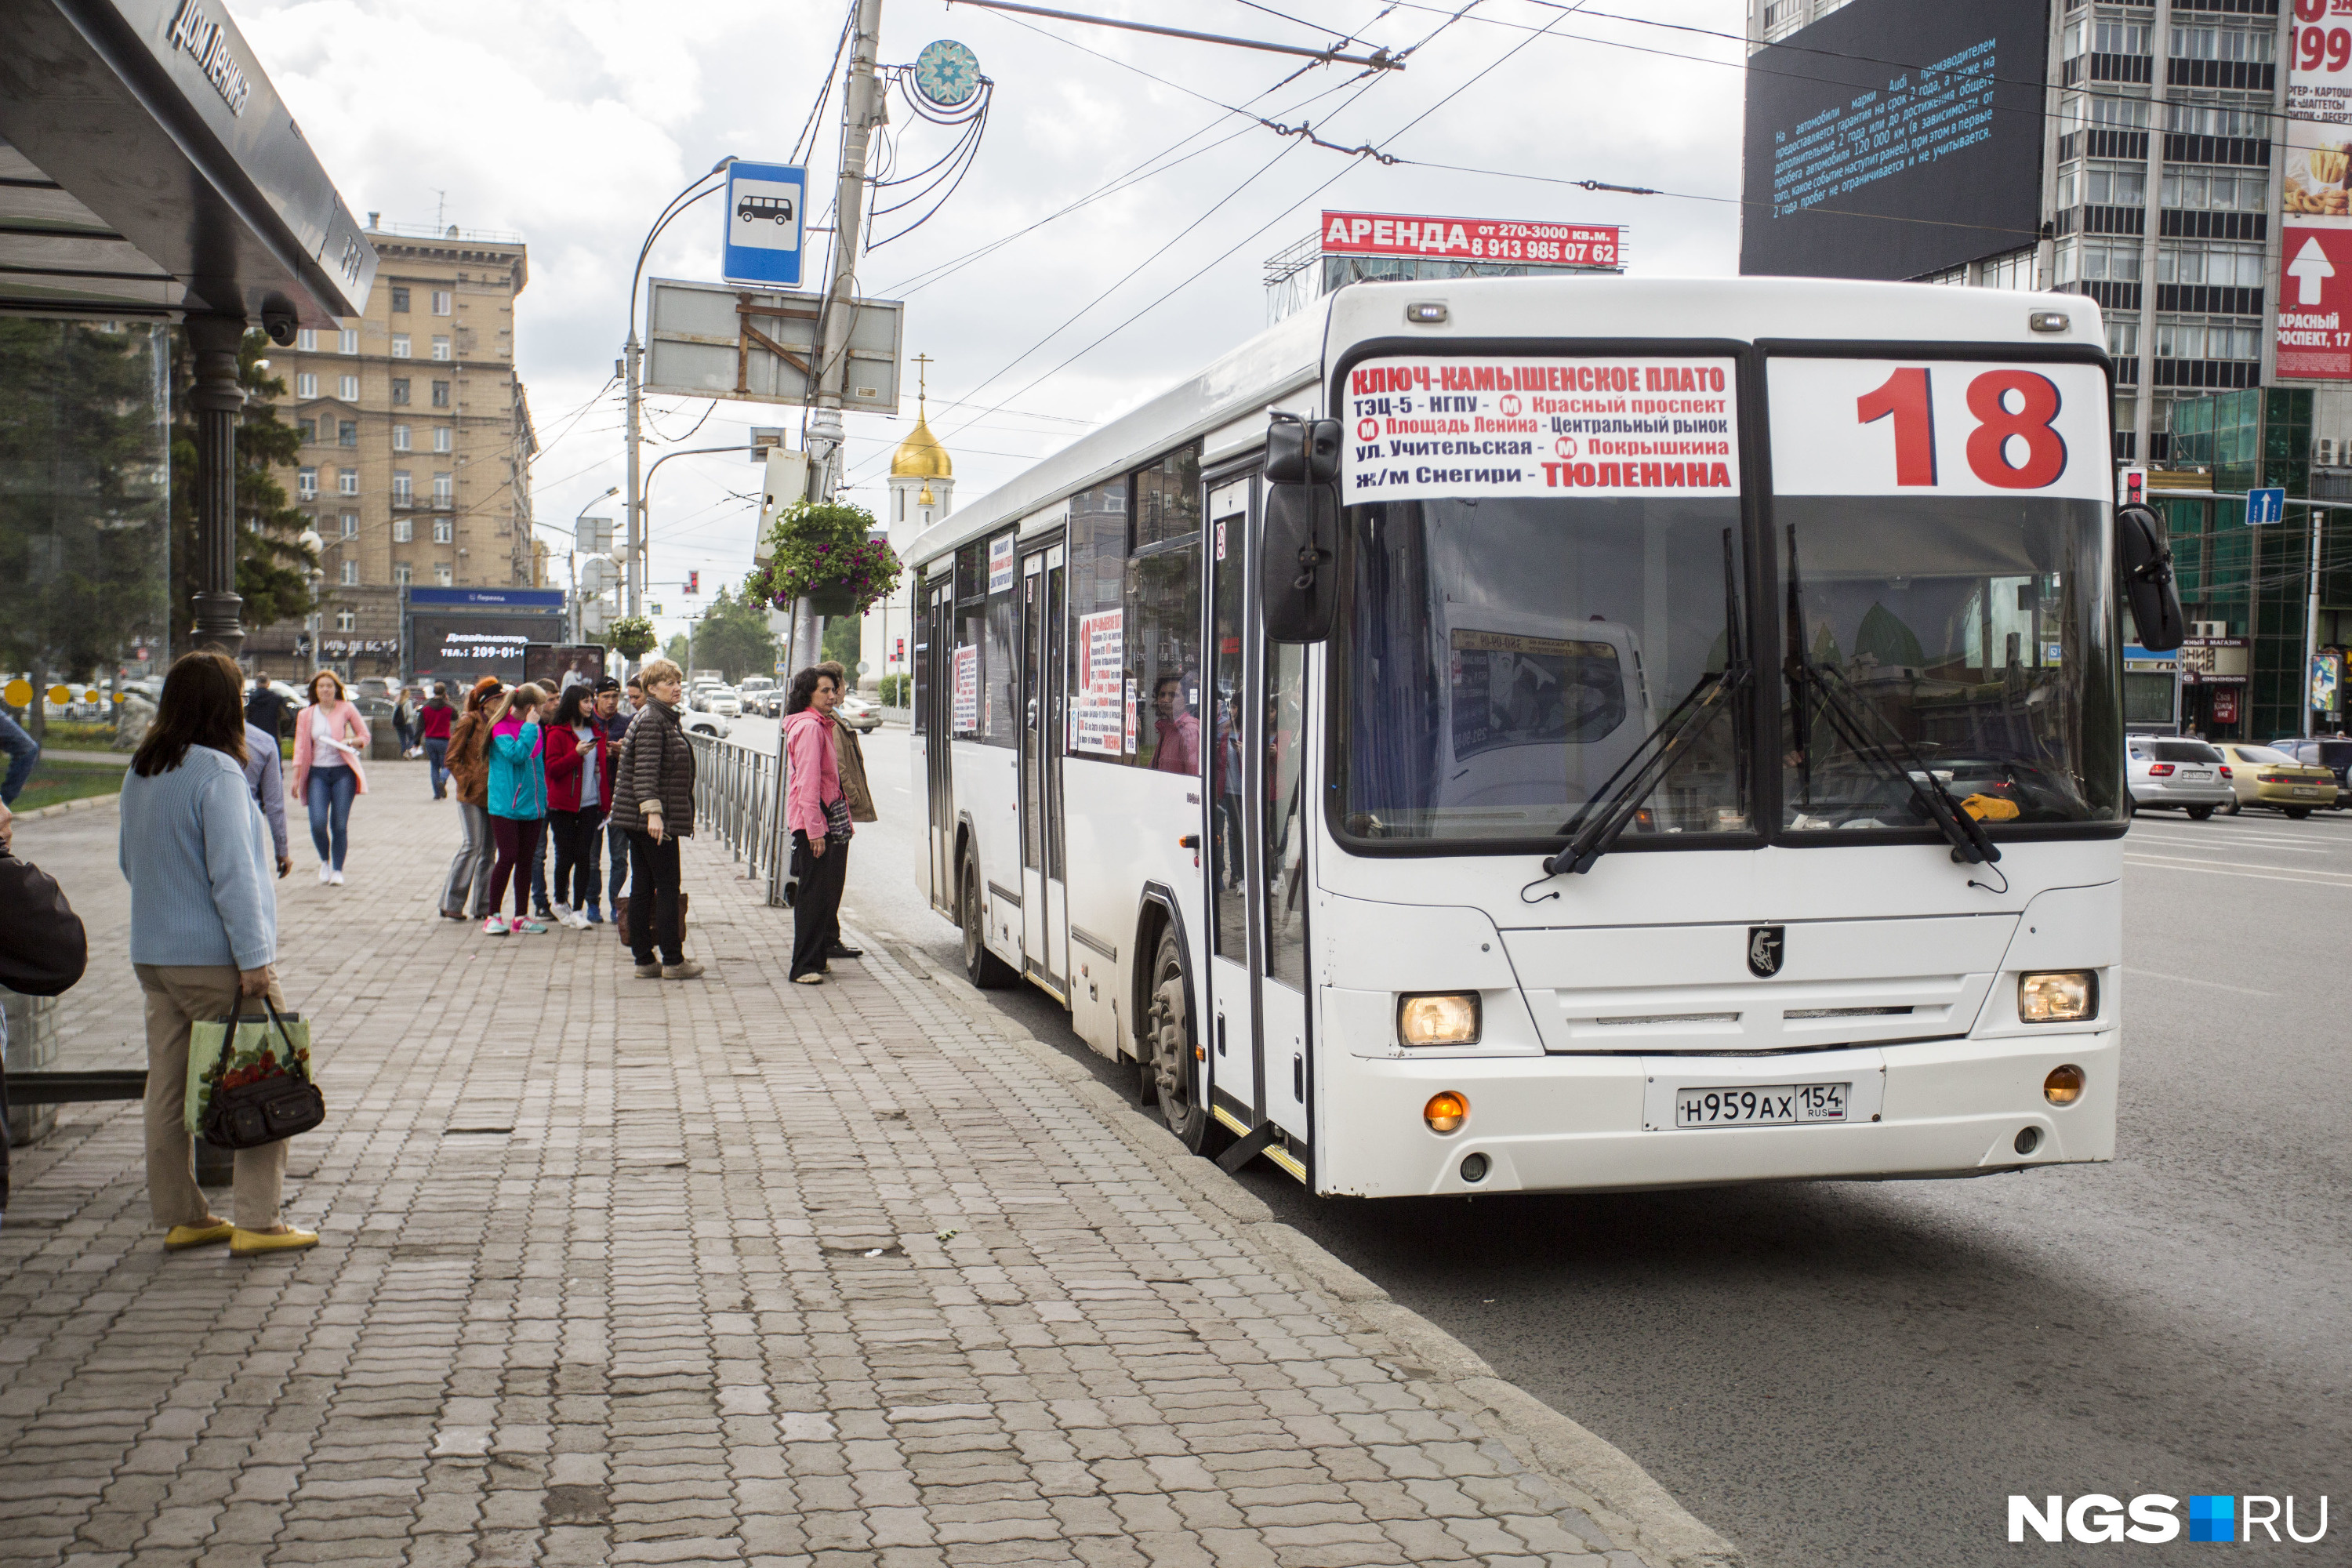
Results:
572 125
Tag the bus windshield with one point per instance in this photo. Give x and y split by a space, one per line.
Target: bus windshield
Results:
1969 634
1503 657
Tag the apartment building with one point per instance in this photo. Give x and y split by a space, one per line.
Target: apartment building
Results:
416 442
2157 182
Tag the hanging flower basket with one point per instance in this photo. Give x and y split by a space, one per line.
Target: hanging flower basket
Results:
825 552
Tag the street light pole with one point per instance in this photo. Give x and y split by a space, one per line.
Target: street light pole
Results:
631 370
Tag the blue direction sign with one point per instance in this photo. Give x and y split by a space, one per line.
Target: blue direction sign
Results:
2265 506
764 223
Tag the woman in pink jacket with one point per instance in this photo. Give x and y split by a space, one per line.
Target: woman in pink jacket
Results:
330 740
818 817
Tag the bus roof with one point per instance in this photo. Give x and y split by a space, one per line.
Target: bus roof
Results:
1292 354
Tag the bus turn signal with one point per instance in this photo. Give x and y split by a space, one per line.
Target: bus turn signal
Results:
1446 1111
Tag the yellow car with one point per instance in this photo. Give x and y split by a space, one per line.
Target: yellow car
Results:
2264 776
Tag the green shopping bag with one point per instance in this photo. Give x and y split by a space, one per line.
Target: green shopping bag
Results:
227 1053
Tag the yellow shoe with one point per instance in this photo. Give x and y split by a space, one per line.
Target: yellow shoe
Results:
250 1243
183 1236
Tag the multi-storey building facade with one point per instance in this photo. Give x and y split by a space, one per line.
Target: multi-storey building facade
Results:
2159 190
416 442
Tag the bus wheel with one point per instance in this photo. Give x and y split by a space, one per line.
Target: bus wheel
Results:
982 967
1170 1039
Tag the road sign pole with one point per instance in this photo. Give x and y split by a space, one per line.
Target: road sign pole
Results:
2311 615
634 566
860 102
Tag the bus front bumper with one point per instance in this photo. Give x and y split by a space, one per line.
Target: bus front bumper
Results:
1587 1123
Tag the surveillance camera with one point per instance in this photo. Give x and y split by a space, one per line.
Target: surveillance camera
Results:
278 318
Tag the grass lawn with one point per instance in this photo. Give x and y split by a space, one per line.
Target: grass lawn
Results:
54 781
76 736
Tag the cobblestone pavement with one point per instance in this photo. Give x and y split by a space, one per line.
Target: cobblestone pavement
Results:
729 1270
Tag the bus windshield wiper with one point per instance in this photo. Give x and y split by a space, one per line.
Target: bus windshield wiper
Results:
1851 717
1614 806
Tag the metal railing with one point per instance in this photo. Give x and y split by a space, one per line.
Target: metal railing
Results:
738 800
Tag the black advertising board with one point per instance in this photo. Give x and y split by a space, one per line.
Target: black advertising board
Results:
461 647
1894 138
557 665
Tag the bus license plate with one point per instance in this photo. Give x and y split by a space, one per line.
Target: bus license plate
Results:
1762 1105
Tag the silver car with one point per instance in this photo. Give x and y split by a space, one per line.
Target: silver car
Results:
2178 773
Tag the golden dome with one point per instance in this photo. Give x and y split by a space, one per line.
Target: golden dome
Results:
921 456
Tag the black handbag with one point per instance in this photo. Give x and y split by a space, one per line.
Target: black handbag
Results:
266 1109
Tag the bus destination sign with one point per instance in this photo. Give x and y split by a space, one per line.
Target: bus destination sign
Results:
1473 239
1429 428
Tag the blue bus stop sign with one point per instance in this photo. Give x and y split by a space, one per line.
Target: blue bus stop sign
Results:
764 224
2265 506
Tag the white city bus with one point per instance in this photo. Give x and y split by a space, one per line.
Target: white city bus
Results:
1551 734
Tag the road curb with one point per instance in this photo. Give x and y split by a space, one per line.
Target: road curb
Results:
86 802
1590 1472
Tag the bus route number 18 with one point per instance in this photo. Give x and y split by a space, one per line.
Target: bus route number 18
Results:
2014 447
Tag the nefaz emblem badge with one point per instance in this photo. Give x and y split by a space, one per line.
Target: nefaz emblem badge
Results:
1766 947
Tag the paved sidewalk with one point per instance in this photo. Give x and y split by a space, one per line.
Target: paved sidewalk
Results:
720 1271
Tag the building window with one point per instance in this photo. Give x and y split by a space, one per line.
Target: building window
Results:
441 574
400 437
2122 336
2102 110
347 481
2191 338
2094 260
2220 264
306 484
348 620
443 437
440 394
307 340
440 348
347 433
444 530
2104 184
2213 120
400 390
400 345
306 385
347 387
2222 44
441 301
2225 190
402 530
445 489
403 487
348 340
351 576
399 301
349 523
401 574
310 428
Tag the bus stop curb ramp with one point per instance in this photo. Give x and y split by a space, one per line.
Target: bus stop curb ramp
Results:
1590 1473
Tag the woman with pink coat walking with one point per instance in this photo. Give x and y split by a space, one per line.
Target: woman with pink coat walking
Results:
330 740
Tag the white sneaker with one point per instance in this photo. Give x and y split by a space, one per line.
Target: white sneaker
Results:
494 926
325 871
334 879
562 914
577 919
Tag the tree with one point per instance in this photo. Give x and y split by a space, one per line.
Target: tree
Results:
732 637
273 568
82 528
679 651
843 636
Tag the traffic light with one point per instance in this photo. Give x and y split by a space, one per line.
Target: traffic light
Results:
693 583
898 652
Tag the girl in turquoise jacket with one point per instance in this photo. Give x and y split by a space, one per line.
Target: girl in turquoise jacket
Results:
517 804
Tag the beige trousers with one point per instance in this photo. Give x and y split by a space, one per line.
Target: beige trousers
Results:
178 996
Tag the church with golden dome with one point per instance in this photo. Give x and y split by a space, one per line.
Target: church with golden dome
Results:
923 491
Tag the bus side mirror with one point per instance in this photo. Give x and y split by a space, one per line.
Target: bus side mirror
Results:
2144 553
1302 451
1297 587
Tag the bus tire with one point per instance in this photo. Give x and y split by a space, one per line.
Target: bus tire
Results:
1173 1045
982 967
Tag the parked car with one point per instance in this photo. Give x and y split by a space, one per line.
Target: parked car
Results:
858 714
697 723
2333 753
724 702
2265 775
2178 773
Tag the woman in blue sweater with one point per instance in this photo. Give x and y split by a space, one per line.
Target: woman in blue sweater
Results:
517 802
203 934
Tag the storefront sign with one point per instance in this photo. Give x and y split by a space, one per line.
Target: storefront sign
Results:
2327 680
2216 661
1436 427
207 43
2225 705
1471 239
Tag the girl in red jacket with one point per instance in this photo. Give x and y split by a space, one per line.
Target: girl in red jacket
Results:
579 798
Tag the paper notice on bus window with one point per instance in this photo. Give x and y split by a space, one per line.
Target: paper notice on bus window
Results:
967 690
1939 427
1000 565
1095 724
1429 428
1134 725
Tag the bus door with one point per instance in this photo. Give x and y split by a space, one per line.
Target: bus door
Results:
1235 1073
1278 891
1044 886
935 653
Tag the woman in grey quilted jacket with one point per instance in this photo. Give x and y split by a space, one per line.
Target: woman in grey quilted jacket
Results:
653 801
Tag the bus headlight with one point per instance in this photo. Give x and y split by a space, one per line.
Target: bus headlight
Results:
2057 997
1439 1018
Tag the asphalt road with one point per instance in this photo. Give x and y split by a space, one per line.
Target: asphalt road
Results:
1839 1373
